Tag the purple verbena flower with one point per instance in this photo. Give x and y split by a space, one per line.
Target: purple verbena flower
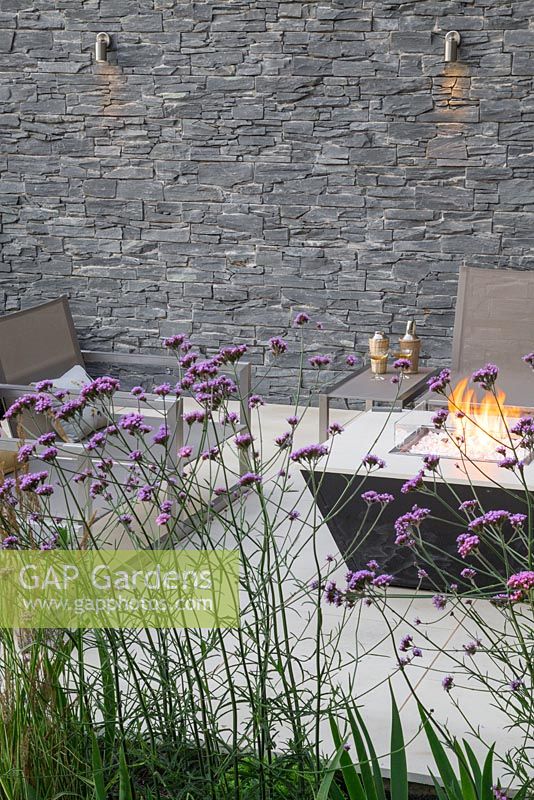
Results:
335 428
163 389
408 524
468 573
28 483
517 520
278 345
352 360
25 452
497 517
521 585
134 422
468 505
47 438
145 493
371 460
175 341
249 479
447 682
255 400
190 417
320 361
413 484
431 462
95 441
50 454
45 490
377 497
439 383
301 319
439 601
402 364
104 386
467 543
440 418
162 435
516 685
284 440
311 452
243 440
9 543
472 647
231 355
486 376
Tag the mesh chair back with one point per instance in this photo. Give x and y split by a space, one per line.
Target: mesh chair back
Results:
37 343
494 320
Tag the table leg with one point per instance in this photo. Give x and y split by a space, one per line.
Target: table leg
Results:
324 413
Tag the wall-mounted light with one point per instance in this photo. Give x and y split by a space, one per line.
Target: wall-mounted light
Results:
101 47
452 41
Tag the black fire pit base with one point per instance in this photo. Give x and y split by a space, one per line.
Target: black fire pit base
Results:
358 548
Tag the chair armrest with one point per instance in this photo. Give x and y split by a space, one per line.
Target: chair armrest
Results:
129 359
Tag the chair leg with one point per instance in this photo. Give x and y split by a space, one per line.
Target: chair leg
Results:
324 414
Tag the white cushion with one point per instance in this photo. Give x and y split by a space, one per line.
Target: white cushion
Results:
92 419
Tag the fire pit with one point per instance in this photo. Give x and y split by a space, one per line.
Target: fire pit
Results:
472 430
395 438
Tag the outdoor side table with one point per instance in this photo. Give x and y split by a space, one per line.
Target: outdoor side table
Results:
363 386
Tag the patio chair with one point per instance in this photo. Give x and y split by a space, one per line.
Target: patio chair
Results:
41 342
494 323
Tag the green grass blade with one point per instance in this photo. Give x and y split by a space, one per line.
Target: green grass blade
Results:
377 772
467 782
125 786
486 791
331 769
443 763
109 710
438 788
399 769
363 758
337 794
348 770
98 769
473 761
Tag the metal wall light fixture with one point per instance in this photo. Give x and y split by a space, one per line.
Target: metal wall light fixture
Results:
452 41
103 41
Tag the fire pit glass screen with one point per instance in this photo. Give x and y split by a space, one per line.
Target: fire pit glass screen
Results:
482 433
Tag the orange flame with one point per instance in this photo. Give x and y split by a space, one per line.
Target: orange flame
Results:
482 426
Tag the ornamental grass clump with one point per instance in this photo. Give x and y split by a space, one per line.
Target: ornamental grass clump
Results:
225 714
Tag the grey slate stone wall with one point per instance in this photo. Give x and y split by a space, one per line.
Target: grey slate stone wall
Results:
238 161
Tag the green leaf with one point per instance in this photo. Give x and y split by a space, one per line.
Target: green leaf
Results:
440 792
125 786
473 761
98 769
486 791
377 772
363 758
331 769
348 770
443 763
468 783
108 693
399 769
